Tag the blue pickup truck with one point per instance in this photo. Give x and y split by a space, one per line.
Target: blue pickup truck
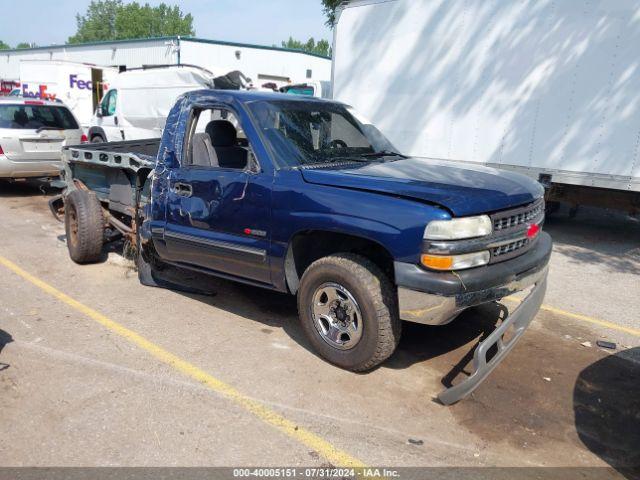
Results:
302 195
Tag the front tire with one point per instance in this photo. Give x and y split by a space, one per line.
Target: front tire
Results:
348 310
84 226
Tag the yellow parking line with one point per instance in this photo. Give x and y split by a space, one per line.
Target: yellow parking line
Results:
584 318
323 447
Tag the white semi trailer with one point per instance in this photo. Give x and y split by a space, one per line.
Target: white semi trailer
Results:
546 88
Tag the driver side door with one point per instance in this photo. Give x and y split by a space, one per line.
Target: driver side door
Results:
218 216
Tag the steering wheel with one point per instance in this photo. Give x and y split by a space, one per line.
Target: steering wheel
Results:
337 143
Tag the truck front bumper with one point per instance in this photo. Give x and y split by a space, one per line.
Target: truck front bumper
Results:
435 298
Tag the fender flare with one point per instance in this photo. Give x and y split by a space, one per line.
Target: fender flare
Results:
93 131
289 268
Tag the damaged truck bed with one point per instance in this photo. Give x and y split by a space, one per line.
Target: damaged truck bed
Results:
116 173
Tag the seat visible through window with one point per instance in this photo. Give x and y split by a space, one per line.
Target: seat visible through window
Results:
224 140
203 153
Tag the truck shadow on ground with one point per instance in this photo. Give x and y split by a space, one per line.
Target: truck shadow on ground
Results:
5 338
606 404
419 343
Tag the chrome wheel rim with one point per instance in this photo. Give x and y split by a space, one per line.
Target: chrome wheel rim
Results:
336 316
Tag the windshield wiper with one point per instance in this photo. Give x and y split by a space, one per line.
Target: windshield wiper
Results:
383 153
333 160
347 158
48 128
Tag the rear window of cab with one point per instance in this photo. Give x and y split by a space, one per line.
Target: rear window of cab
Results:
33 117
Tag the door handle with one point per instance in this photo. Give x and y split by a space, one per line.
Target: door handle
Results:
182 189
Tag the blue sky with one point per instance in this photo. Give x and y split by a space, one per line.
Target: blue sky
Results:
264 22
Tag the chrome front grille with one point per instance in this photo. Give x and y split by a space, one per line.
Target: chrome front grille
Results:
509 247
514 218
511 236
510 230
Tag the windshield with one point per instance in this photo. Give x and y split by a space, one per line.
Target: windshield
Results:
33 117
302 133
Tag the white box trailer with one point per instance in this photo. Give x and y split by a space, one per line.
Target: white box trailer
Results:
549 89
79 86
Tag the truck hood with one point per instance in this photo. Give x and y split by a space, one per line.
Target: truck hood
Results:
463 189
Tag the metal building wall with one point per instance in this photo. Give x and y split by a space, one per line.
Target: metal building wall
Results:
258 63
130 53
219 57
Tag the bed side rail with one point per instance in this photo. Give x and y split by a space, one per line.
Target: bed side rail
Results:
86 154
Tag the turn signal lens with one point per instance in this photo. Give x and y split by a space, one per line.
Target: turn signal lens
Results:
455 262
437 262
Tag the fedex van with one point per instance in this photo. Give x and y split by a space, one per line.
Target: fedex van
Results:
79 86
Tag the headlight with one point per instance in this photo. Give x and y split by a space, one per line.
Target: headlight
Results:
458 228
455 262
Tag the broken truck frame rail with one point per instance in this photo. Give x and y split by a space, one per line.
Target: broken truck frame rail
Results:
116 173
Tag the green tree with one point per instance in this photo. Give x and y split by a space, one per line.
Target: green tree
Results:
329 7
136 21
112 20
4 46
322 47
98 23
25 45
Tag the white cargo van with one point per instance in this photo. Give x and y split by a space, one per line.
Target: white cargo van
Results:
138 101
548 89
79 86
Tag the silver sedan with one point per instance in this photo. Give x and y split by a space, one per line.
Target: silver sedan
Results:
32 134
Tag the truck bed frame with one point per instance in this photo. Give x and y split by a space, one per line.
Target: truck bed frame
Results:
116 172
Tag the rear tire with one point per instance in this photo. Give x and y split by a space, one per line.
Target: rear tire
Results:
363 328
84 226
97 139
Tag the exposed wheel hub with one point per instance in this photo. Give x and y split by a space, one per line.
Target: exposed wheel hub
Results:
341 314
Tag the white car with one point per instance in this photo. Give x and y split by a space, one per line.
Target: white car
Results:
32 134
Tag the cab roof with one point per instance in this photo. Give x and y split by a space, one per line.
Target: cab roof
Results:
246 96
